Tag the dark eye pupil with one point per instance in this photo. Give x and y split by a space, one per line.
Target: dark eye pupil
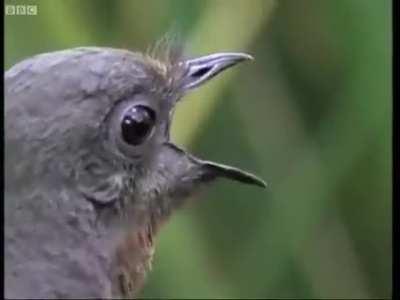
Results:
137 124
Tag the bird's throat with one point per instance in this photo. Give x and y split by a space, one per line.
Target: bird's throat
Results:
133 258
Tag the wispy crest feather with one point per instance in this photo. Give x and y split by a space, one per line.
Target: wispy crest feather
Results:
165 55
168 50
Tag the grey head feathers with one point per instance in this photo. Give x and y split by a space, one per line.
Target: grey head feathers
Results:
87 134
67 108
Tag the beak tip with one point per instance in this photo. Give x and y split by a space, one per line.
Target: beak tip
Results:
262 184
249 57
243 57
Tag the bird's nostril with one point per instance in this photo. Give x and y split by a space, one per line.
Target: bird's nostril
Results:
201 72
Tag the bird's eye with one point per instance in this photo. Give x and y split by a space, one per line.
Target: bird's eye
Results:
137 124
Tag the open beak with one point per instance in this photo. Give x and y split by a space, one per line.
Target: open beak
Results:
193 169
200 70
233 173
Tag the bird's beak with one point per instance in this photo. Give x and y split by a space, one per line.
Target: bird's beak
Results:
215 170
197 72
200 70
193 169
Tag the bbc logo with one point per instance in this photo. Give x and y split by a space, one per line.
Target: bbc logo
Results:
21 10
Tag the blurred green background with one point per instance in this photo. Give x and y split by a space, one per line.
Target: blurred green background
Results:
311 115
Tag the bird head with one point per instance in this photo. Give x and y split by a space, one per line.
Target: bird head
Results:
94 124
100 119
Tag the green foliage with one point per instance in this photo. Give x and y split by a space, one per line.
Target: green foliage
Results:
312 115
